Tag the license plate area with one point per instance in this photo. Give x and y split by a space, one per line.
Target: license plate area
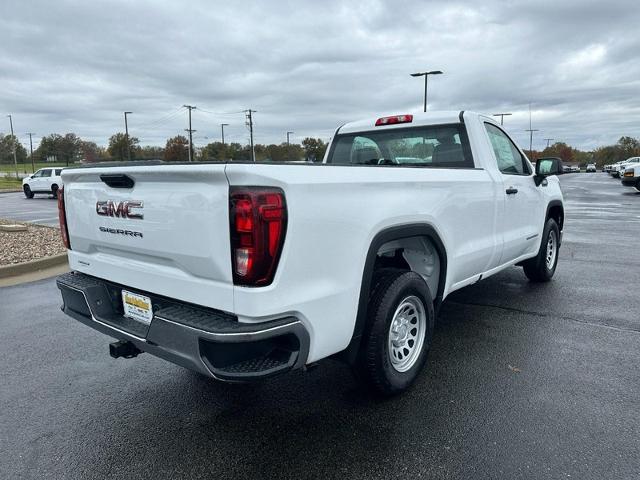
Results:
137 307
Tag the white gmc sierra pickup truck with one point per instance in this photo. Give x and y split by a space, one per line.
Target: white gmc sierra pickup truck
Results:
241 271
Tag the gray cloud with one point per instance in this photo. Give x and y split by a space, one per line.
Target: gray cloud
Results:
310 66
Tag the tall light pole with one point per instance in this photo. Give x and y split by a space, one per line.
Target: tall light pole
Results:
426 76
289 146
13 144
548 140
222 125
33 167
126 134
502 115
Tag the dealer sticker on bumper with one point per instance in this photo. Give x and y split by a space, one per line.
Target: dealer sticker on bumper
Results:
137 307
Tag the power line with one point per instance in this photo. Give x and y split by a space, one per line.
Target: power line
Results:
220 113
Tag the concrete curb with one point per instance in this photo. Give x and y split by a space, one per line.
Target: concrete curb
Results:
33 265
10 191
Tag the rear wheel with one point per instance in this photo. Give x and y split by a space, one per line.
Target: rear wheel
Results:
54 190
27 191
542 267
398 335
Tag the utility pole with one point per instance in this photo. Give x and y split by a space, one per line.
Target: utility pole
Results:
33 167
250 125
426 76
531 130
288 146
126 134
548 140
222 125
190 130
13 143
501 115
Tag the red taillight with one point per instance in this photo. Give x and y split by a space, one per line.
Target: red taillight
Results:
258 218
62 217
394 120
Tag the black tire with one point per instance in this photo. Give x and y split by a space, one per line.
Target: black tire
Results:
374 366
538 269
27 191
54 190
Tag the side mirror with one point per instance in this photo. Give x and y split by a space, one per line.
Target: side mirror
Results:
546 167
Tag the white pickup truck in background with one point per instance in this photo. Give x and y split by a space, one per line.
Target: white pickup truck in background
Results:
241 271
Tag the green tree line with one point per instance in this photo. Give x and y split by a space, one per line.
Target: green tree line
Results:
69 148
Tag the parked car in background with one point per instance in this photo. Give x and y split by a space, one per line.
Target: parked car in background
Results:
45 180
591 168
631 177
575 169
619 168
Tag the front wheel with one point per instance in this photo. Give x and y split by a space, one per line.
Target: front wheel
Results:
27 191
398 334
542 267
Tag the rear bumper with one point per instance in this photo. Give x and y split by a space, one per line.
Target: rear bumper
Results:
208 341
629 181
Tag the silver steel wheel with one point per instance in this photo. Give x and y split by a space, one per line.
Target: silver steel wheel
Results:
552 249
406 333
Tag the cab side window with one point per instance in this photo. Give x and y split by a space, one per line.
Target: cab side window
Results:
46 172
510 160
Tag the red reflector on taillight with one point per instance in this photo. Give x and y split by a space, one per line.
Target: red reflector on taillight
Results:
258 221
62 218
394 120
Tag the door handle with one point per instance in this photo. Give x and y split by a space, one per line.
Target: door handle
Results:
511 191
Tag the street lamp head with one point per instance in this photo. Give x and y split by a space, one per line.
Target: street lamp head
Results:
127 113
434 72
418 74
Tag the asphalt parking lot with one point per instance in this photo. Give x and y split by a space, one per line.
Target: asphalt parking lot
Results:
41 209
524 381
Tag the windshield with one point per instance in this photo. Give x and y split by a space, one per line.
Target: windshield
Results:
437 146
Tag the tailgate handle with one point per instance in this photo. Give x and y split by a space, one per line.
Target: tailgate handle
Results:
117 180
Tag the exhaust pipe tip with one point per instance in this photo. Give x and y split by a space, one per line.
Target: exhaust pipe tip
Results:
124 349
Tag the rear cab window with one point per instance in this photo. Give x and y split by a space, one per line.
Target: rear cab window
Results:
57 172
437 146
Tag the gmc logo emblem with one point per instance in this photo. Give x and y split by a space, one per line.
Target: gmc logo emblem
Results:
120 209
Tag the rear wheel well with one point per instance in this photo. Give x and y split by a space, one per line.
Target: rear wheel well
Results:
417 254
405 247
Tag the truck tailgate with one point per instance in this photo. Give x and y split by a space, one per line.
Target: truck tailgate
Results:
180 246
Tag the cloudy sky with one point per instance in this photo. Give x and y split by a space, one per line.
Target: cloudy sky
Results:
310 66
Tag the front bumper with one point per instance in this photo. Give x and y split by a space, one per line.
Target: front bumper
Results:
208 341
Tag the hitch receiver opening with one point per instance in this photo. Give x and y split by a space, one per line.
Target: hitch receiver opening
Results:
123 349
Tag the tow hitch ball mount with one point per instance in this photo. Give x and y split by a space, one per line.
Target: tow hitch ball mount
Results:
123 349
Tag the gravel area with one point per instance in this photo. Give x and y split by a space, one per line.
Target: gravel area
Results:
36 242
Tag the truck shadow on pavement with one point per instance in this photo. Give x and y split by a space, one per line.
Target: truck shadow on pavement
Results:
320 423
